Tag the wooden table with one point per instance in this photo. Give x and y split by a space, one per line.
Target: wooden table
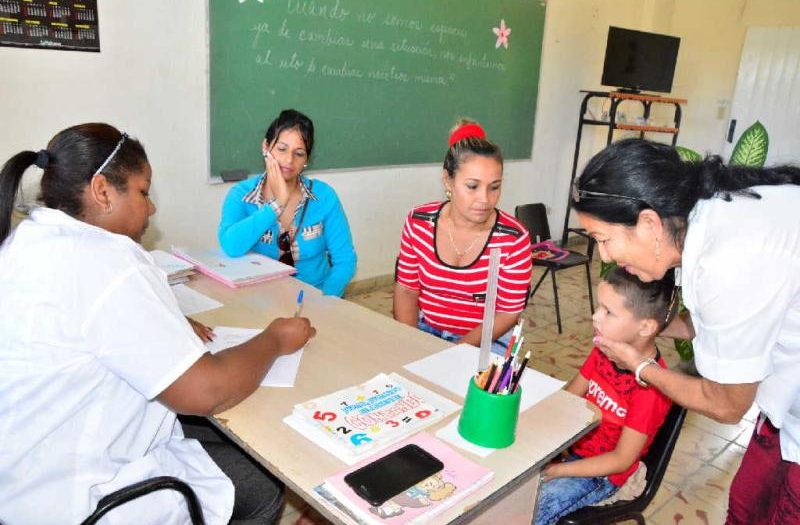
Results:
354 344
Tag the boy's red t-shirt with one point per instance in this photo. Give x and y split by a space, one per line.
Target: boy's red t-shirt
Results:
623 403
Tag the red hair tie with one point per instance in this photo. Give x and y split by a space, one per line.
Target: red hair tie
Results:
465 132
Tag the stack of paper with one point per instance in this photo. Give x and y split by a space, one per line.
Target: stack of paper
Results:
363 419
419 503
250 268
177 270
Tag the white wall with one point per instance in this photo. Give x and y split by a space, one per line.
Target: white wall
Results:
151 80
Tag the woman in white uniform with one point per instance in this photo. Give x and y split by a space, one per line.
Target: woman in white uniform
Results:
96 358
735 234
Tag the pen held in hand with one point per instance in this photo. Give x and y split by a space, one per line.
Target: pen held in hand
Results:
299 308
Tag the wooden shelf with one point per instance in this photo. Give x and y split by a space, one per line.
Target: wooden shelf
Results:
654 129
616 98
648 98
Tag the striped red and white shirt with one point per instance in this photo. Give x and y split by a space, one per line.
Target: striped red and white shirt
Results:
450 297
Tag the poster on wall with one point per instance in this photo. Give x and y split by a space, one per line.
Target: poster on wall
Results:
50 24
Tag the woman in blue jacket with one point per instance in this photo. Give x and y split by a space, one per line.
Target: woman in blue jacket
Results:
284 215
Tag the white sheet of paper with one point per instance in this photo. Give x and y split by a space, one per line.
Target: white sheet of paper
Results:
283 371
193 302
453 368
450 434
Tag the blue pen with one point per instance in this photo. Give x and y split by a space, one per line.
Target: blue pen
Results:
299 303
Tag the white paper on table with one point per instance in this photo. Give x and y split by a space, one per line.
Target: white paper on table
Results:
193 302
284 369
450 434
455 367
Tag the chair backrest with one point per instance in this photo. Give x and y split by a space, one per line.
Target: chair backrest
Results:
660 452
147 486
534 218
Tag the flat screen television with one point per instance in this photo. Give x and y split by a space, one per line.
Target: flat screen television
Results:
639 61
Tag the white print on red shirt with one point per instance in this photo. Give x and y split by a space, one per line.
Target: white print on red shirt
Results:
602 394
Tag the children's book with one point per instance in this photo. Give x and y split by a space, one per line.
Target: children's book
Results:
250 268
360 420
419 503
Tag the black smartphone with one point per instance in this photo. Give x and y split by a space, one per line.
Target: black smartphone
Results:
390 475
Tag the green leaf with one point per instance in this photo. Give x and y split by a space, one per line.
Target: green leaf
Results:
606 267
688 155
751 148
684 348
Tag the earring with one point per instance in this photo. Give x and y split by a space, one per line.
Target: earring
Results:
448 194
658 249
305 165
110 208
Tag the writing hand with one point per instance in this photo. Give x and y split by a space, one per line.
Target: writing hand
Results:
290 334
205 333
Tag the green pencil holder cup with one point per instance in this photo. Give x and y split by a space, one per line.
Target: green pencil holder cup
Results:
489 420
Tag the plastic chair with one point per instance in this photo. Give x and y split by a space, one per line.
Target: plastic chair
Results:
656 460
147 486
534 218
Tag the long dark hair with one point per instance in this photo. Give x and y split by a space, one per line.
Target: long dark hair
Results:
292 119
465 148
69 162
634 175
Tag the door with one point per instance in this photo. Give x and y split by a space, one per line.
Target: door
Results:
768 90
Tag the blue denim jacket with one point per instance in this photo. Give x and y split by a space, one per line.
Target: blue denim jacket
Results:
325 255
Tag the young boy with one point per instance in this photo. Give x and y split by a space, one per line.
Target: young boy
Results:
596 466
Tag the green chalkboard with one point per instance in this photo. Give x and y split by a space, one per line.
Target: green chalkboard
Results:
383 80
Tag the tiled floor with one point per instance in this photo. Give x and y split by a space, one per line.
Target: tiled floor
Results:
695 487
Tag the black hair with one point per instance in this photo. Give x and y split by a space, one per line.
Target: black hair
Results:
652 300
69 162
465 148
639 174
292 119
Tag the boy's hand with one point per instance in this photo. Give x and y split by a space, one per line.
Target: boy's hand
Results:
622 354
551 470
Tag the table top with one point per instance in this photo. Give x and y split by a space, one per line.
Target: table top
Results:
353 344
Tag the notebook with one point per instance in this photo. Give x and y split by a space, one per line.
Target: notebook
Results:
357 421
418 504
234 272
177 270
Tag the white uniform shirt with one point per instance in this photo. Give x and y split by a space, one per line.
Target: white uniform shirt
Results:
91 334
741 283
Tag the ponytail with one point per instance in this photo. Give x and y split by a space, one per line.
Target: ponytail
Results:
10 177
70 161
714 179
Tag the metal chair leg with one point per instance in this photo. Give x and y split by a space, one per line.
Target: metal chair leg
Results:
555 297
539 282
589 281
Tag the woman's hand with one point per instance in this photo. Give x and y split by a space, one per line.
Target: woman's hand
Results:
622 354
205 333
289 334
275 187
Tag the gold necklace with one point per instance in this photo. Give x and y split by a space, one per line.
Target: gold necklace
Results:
453 243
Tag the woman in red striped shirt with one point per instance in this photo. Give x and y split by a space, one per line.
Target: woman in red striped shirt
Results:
443 266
